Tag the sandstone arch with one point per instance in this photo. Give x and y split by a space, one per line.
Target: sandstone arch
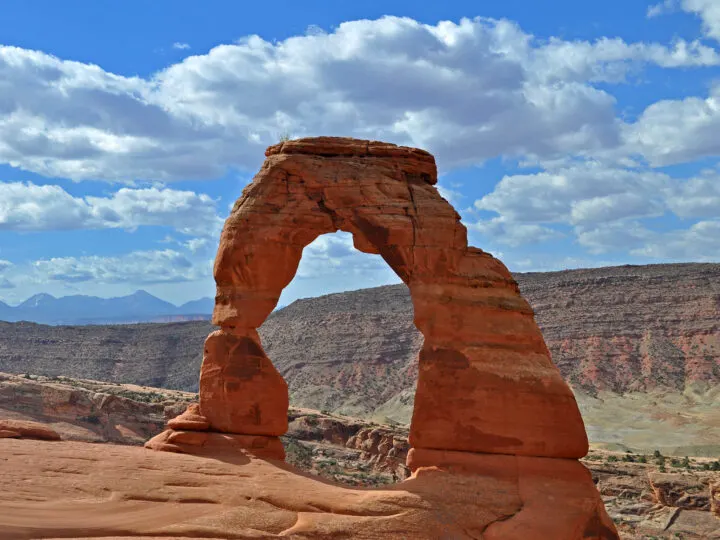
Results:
486 381
489 402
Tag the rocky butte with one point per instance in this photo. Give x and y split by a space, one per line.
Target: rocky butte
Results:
491 410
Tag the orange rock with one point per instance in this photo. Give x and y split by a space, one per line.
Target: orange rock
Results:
558 497
487 393
208 442
171 495
486 382
27 430
240 389
192 419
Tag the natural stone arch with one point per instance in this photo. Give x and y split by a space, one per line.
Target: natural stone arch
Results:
486 382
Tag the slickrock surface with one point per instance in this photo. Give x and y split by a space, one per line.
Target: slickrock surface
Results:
353 452
93 411
81 490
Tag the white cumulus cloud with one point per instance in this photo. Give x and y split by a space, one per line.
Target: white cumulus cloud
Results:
502 231
707 10
677 131
700 242
146 267
335 253
31 207
5 283
581 194
661 8
709 13
459 89
607 209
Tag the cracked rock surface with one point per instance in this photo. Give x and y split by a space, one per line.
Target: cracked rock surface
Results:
83 490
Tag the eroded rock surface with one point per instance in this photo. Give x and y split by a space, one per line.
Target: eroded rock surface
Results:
90 411
486 382
635 337
353 452
645 503
81 490
22 429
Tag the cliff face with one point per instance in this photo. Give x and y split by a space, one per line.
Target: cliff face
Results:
619 329
631 328
164 355
347 352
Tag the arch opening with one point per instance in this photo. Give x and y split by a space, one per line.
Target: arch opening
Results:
345 343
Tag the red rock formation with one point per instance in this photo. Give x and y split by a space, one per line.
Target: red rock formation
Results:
486 382
383 449
191 419
23 429
209 442
236 372
112 491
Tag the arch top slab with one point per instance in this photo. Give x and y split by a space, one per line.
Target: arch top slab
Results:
486 382
381 193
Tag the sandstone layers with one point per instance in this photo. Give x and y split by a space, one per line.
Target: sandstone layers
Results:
22 429
80 490
489 400
618 329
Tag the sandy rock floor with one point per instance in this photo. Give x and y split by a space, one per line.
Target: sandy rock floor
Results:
84 490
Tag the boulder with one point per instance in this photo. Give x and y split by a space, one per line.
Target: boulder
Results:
27 430
191 420
686 490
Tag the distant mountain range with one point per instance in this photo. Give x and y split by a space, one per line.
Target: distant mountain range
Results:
140 306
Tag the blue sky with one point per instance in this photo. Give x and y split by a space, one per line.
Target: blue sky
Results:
579 135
